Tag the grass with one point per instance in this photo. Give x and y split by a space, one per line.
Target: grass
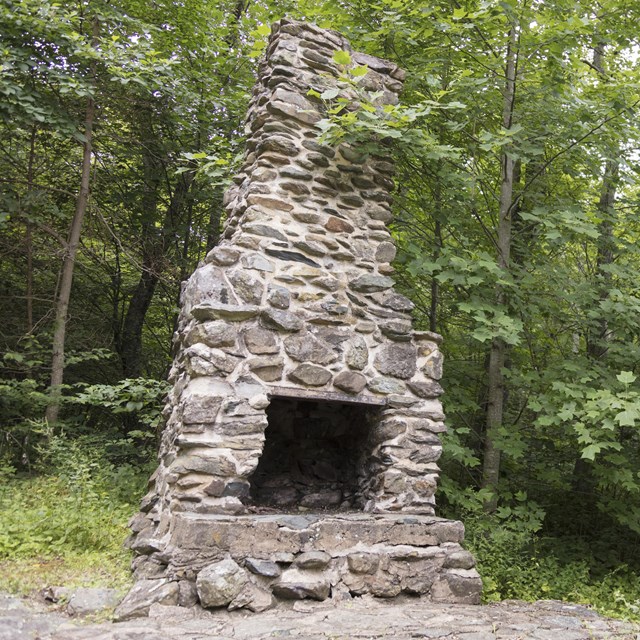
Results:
31 575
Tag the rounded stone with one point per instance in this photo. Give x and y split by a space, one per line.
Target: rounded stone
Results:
338 225
370 283
313 560
279 297
397 360
307 348
219 583
386 385
385 252
261 341
363 562
350 381
310 375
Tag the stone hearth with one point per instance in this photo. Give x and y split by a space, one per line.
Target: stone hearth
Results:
299 456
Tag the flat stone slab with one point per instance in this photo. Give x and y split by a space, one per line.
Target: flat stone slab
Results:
266 534
360 618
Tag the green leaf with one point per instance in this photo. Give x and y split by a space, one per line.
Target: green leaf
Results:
342 57
359 71
590 452
626 377
628 417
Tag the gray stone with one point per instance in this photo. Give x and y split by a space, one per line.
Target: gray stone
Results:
262 174
292 256
329 283
460 586
264 230
215 333
313 560
459 560
297 188
86 601
278 144
313 248
296 584
201 409
388 430
254 598
278 297
295 173
378 212
215 464
264 568
207 285
399 330
312 145
357 353
386 252
322 499
425 389
350 381
307 348
219 583
361 562
187 594
433 366
247 287
370 283
280 320
143 594
205 361
351 200
223 256
397 360
261 341
215 310
310 375
267 368
393 300
257 262
385 385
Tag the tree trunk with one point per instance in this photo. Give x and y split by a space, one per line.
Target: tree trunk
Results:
498 352
68 265
29 232
66 280
152 267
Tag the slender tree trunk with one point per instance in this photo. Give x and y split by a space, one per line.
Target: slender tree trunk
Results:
435 286
29 232
68 265
498 352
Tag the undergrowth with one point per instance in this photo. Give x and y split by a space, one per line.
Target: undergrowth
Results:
66 525
518 563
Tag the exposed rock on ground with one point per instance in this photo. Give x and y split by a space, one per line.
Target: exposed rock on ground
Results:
347 618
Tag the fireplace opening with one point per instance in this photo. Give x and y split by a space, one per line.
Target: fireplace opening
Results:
314 456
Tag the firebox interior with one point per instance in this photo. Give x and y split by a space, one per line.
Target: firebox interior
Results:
314 455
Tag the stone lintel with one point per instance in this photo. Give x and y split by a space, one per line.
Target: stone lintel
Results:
326 396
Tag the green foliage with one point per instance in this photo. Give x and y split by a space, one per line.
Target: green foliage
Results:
515 562
140 397
81 504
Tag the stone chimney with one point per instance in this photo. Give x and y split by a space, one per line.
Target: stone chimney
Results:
299 456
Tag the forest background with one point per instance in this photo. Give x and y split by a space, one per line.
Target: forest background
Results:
517 216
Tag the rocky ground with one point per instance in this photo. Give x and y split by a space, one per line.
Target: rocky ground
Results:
358 618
